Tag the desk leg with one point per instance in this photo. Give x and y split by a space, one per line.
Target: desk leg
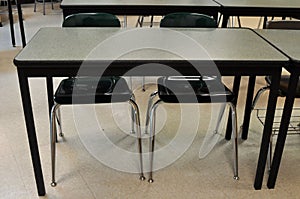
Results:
284 124
11 22
265 22
225 20
267 130
248 107
21 23
34 150
50 93
235 90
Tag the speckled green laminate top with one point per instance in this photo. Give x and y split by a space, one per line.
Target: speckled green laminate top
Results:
67 45
260 3
138 2
285 40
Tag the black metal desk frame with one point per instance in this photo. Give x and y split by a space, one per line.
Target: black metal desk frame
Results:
11 23
39 68
294 68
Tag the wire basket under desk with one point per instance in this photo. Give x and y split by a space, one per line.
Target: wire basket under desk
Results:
294 126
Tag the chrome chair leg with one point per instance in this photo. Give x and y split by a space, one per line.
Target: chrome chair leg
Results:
258 94
152 138
220 116
142 21
235 143
53 141
270 151
58 120
133 119
44 6
125 21
138 21
143 84
139 136
150 101
259 22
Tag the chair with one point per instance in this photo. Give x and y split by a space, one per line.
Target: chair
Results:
186 89
284 81
44 5
187 20
140 21
80 90
91 20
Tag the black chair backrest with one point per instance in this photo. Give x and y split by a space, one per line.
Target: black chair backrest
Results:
188 20
284 24
91 20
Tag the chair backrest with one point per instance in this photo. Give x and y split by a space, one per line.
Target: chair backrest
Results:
188 20
284 24
91 20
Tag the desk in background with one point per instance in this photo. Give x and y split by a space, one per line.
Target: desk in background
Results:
284 40
140 7
11 22
280 8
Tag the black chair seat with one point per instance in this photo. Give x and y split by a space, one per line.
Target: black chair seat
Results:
187 20
193 90
283 86
90 90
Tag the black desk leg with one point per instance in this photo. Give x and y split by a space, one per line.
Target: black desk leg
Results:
248 107
21 23
284 124
34 150
50 93
235 90
265 22
225 20
11 22
267 130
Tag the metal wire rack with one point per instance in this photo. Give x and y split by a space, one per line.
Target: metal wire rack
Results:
294 126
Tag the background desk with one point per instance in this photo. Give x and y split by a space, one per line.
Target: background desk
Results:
286 41
11 22
59 52
287 8
140 7
257 8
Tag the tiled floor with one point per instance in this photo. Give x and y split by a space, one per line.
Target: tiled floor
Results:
80 173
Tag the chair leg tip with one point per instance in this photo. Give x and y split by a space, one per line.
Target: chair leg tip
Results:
142 178
236 177
150 180
53 184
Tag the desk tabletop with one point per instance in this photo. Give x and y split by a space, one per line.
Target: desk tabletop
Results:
75 44
260 3
211 3
231 50
285 40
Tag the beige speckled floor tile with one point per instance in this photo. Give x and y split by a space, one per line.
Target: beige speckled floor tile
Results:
80 175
